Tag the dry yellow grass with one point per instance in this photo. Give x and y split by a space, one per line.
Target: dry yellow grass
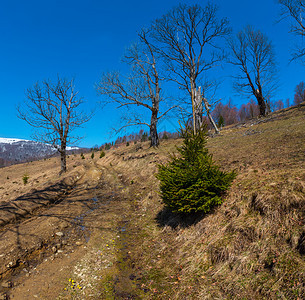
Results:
254 244
250 247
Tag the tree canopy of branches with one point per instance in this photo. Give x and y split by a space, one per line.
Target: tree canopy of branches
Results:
186 38
299 95
252 53
295 9
226 114
53 109
141 88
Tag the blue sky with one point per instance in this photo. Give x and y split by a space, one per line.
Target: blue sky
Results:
83 38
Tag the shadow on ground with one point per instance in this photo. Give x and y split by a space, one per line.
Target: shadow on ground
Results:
168 218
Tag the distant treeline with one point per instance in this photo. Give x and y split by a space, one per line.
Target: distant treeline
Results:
141 136
227 114
223 114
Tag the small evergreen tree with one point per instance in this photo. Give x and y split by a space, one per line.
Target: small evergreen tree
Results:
191 182
102 154
221 122
25 178
92 155
144 137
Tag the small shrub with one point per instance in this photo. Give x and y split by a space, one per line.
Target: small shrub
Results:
127 144
191 182
102 154
144 137
92 155
25 178
221 122
82 156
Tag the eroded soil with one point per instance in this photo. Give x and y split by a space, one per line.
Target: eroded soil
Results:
70 239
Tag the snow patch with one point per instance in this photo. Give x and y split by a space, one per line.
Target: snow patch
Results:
11 141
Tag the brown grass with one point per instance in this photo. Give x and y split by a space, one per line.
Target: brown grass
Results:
251 245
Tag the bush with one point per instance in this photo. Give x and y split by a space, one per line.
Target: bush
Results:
25 178
102 154
221 122
92 155
191 182
82 156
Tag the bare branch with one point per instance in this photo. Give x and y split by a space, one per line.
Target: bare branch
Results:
295 10
53 108
187 39
141 88
252 53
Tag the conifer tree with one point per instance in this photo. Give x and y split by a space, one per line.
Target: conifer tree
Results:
191 182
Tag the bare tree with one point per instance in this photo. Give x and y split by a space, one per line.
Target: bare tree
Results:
299 95
295 9
253 55
277 105
228 112
141 88
186 38
53 108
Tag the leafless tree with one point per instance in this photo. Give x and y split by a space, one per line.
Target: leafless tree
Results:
253 55
299 95
140 89
186 38
53 108
295 9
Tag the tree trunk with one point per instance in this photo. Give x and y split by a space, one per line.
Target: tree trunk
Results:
193 91
154 139
207 108
198 109
262 105
63 160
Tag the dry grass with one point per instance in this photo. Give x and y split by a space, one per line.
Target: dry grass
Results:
254 244
251 247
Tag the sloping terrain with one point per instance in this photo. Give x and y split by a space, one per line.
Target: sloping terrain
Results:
14 151
101 232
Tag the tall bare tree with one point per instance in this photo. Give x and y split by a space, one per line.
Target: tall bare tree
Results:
186 38
295 9
53 109
299 95
253 55
141 88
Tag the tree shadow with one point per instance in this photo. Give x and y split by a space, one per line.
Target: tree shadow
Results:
166 217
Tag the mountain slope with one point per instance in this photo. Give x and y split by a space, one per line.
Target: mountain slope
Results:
18 150
250 247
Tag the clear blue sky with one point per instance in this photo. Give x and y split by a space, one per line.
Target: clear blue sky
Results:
83 38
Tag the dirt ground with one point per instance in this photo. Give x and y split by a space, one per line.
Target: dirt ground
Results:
59 236
101 231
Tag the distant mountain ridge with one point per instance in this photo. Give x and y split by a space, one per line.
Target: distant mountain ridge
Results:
13 150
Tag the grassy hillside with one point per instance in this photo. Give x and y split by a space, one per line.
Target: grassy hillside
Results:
117 241
254 244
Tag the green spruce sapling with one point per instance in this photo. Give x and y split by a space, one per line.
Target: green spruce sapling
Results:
191 182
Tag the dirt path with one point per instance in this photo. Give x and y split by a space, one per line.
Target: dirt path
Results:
77 247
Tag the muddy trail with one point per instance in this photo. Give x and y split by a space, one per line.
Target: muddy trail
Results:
78 246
